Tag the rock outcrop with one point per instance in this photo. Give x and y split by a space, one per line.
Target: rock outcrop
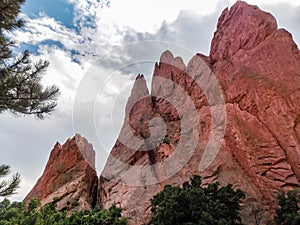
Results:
69 176
246 126
231 117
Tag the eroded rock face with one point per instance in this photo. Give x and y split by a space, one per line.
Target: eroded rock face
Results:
243 27
69 175
258 70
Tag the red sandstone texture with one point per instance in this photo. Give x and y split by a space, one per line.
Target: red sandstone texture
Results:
69 175
258 70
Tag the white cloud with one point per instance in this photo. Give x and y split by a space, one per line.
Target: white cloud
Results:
187 23
87 10
45 28
147 16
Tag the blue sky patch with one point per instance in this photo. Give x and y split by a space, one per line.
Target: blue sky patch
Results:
34 48
58 9
52 43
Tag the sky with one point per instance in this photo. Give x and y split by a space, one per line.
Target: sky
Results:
95 49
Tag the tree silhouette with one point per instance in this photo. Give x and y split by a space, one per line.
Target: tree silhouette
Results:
21 91
8 188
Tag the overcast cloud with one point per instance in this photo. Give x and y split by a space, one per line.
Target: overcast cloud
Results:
102 53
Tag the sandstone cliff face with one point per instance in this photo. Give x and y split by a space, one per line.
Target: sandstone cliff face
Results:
258 72
69 175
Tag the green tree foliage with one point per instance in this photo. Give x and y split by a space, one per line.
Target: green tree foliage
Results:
192 204
112 216
8 188
21 91
11 213
288 212
17 214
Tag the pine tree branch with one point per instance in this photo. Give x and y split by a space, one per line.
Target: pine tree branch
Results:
4 170
9 188
21 91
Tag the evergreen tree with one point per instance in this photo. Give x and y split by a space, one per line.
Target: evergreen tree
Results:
288 211
8 187
192 204
21 91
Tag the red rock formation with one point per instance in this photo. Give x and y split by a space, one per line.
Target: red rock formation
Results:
258 69
69 175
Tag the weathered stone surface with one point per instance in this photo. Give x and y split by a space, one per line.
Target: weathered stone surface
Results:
258 69
69 175
243 27
86 149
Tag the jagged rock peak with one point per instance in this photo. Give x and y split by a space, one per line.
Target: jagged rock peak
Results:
242 26
68 176
140 86
140 76
86 149
139 102
167 57
139 91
